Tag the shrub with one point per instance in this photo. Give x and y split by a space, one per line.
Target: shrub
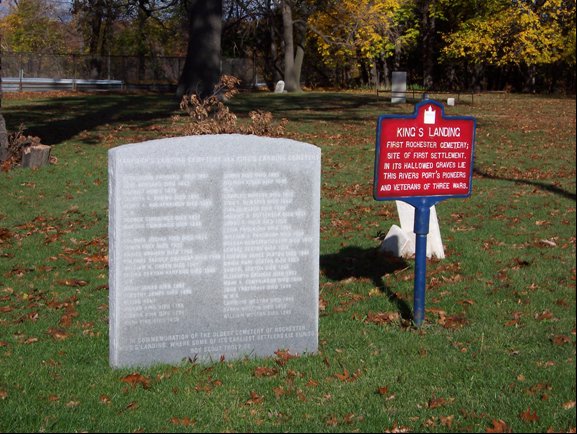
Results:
211 116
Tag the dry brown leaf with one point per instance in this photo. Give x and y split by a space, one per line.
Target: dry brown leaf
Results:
279 391
439 402
58 334
447 420
380 318
135 379
283 356
255 398
263 371
529 416
560 339
499 426
332 421
383 390
398 428
184 421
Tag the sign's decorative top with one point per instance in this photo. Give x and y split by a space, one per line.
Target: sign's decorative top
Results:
424 155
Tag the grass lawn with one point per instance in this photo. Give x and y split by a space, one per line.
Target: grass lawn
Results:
496 352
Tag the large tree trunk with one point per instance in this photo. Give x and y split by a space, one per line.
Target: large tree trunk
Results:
202 66
3 140
293 58
428 33
3 132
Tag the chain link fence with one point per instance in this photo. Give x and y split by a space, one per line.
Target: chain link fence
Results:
21 70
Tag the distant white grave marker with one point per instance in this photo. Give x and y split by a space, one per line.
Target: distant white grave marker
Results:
399 87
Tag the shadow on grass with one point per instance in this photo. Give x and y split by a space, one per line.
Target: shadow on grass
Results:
56 120
540 185
315 106
356 262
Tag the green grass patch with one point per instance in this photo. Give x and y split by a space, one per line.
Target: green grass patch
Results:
497 349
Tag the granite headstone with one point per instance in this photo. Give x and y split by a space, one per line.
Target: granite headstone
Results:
399 87
214 249
279 88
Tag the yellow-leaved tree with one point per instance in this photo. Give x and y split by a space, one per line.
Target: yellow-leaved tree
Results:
359 32
32 26
522 32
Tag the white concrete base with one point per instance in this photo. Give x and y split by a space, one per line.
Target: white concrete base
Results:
401 241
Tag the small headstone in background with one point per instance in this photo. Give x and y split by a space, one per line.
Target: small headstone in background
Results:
279 88
399 87
214 249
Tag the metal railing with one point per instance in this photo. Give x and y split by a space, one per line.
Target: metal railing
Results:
36 71
54 84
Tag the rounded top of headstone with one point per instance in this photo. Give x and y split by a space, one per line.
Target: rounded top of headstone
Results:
217 144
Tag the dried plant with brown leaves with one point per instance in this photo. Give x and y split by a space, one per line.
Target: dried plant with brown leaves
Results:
18 142
211 116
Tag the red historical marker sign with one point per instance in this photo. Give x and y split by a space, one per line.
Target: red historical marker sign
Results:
424 154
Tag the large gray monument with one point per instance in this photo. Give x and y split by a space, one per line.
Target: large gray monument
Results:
214 249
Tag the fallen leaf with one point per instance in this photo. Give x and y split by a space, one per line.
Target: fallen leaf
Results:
380 318
454 322
283 356
499 426
560 340
135 379
265 372
347 377
58 334
529 416
73 282
549 243
255 398
546 314
312 383
398 428
279 391
332 421
72 404
439 402
104 399
132 406
3 394
447 420
344 376
185 421
322 304
348 418
569 405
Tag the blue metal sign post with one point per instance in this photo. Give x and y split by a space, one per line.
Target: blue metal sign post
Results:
423 159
